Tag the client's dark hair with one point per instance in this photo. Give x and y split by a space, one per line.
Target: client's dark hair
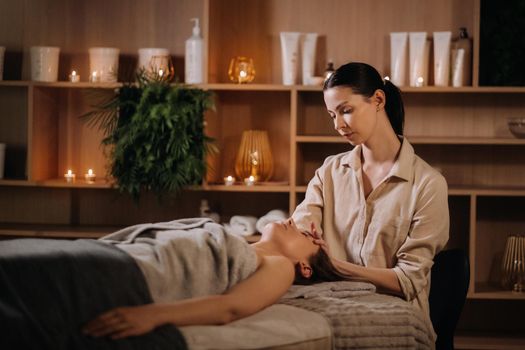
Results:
322 270
364 80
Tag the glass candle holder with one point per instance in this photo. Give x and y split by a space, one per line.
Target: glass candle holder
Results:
241 70
160 68
90 176
69 176
513 264
254 157
229 180
74 77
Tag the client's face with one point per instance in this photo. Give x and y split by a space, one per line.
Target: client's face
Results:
293 243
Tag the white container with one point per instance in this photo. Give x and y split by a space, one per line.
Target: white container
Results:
458 66
462 60
398 58
146 54
193 61
309 41
418 52
2 159
290 56
442 58
103 64
2 53
44 63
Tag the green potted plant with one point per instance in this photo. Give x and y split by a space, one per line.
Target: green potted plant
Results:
154 133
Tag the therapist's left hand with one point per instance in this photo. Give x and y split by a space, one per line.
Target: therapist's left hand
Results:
123 322
318 239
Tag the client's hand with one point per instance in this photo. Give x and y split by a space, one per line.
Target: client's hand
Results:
318 239
123 322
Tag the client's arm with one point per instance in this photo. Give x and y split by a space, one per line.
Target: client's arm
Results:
271 280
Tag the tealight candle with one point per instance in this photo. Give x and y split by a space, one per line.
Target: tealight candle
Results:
229 180
90 176
69 176
161 73
74 77
94 77
420 81
250 181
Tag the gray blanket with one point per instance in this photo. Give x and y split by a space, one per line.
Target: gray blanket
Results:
186 258
49 289
362 319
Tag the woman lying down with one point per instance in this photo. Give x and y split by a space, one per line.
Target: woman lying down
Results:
87 293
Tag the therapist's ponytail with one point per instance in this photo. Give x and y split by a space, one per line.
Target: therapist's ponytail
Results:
364 80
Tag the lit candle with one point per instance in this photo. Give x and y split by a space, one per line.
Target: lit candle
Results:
74 77
161 73
420 81
229 180
90 176
250 181
69 176
94 76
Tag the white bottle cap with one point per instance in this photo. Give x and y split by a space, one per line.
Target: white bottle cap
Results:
196 28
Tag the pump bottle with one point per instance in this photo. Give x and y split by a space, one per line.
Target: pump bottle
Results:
193 59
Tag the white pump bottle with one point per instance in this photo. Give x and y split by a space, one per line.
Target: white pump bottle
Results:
193 58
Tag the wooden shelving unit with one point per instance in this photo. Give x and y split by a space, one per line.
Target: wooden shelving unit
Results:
462 131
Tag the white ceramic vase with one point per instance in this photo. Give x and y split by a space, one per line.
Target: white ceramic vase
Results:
103 64
44 63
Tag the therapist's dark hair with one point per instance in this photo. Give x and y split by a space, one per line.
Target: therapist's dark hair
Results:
364 80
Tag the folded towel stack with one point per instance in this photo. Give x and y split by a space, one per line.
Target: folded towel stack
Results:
244 225
241 225
271 216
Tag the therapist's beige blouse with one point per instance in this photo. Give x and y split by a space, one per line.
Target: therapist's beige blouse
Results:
402 224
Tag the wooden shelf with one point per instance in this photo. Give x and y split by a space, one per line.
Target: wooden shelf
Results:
79 183
62 84
486 291
8 182
55 231
484 341
423 140
268 187
245 87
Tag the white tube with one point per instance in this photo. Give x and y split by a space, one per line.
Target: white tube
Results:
398 57
309 45
290 56
442 58
458 58
418 58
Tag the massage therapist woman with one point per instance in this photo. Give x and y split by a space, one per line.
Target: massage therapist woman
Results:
381 210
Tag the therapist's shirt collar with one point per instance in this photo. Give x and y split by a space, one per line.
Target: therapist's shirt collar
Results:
403 167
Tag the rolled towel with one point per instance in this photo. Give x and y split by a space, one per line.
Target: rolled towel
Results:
241 225
340 289
271 216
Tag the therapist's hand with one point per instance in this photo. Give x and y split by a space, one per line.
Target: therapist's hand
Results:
318 239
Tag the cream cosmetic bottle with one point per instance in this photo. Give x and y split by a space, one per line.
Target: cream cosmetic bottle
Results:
442 58
418 52
398 58
462 60
309 44
290 57
193 71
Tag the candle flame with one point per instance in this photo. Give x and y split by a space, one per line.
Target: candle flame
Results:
69 172
90 171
